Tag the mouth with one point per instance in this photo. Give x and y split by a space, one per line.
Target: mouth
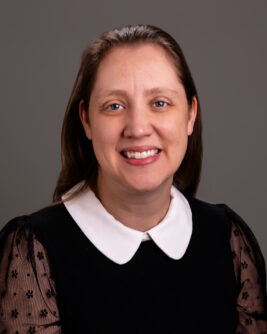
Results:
128 154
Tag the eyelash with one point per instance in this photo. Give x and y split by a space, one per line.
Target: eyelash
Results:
117 104
166 103
113 104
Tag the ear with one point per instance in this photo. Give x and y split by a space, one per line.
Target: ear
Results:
84 117
192 116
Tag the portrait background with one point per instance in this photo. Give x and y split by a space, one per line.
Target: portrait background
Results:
225 45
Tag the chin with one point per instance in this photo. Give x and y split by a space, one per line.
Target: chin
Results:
146 186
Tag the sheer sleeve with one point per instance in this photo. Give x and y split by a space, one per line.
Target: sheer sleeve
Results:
249 266
27 292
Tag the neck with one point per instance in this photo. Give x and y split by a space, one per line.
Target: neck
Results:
138 210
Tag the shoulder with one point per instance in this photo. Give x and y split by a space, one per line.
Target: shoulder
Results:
30 223
206 207
241 234
218 210
28 231
54 212
221 215
215 214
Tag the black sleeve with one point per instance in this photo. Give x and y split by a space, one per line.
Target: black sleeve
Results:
27 292
250 272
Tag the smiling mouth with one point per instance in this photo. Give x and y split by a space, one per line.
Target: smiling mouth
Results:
140 155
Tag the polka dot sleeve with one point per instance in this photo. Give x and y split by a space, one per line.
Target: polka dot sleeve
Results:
28 296
250 274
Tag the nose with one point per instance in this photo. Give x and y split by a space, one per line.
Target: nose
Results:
138 123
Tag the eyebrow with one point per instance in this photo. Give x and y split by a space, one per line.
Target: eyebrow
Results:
151 91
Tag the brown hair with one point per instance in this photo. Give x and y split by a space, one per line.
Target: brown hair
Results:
77 155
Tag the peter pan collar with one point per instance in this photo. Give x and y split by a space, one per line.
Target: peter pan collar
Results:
119 242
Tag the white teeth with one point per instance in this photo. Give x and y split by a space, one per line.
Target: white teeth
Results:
144 154
141 155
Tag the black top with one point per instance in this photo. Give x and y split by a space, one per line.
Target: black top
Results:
53 279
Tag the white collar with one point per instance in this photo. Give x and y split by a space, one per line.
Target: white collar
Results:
119 242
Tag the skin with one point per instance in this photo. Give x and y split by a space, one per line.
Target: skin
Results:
142 76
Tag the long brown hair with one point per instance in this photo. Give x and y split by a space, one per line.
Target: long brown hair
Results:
77 155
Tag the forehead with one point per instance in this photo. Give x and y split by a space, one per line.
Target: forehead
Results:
138 51
142 65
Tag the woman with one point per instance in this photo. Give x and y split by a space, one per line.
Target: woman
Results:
126 247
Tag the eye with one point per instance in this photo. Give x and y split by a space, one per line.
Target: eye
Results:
115 106
160 104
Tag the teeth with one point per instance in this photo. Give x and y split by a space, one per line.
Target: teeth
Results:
141 155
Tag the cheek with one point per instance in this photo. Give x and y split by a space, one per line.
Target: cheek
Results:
104 136
174 130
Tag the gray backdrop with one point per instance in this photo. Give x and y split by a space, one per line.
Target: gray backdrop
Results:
225 45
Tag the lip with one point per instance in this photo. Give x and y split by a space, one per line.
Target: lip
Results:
141 162
140 148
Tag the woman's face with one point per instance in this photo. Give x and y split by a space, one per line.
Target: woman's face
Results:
139 118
